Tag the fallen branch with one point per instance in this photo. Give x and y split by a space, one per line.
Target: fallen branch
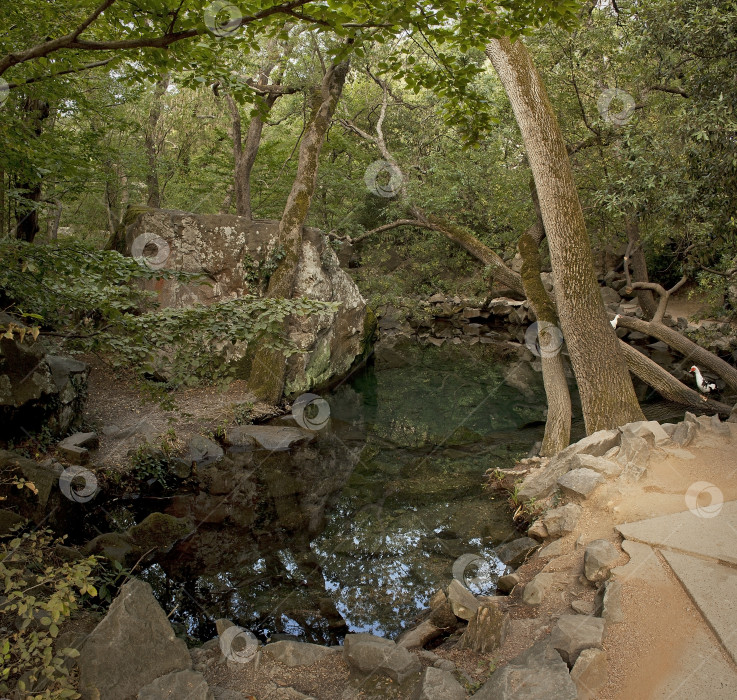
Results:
666 384
683 345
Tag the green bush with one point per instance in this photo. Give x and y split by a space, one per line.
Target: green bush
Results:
39 593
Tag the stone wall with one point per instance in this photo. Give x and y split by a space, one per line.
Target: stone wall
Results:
235 254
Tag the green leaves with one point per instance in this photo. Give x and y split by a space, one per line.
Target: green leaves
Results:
40 597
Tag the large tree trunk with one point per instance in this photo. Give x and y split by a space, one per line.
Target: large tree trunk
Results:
268 367
152 148
639 266
607 396
558 423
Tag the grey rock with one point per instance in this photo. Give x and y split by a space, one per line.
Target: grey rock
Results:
218 245
441 612
537 530
177 686
516 552
463 603
574 633
589 673
486 630
445 665
554 549
601 465
536 674
610 296
583 607
540 483
132 646
88 440
270 437
650 430
8 520
369 654
598 559
536 589
418 636
298 653
73 454
506 584
437 684
580 483
226 694
560 521
608 602
634 450
202 451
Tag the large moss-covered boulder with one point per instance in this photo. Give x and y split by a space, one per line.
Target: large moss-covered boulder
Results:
236 255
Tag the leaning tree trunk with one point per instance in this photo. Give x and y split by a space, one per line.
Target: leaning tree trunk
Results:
666 384
558 423
607 396
639 266
268 367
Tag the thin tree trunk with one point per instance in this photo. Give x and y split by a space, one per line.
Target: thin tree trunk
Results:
558 423
639 266
268 367
607 395
152 149
54 223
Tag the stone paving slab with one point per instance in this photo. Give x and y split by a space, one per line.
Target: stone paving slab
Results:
713 587
714 537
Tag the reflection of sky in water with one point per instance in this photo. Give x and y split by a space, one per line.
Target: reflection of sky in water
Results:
432 421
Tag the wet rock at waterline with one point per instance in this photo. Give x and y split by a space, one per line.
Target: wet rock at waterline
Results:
463 603
38 390
132 646
515 553
158 531
227 248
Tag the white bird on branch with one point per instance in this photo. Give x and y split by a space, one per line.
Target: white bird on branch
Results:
614 321
705 386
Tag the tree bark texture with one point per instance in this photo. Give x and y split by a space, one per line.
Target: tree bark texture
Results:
607 394
152 147
558 423
639 267
268 367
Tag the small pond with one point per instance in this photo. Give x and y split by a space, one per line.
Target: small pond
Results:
354 531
